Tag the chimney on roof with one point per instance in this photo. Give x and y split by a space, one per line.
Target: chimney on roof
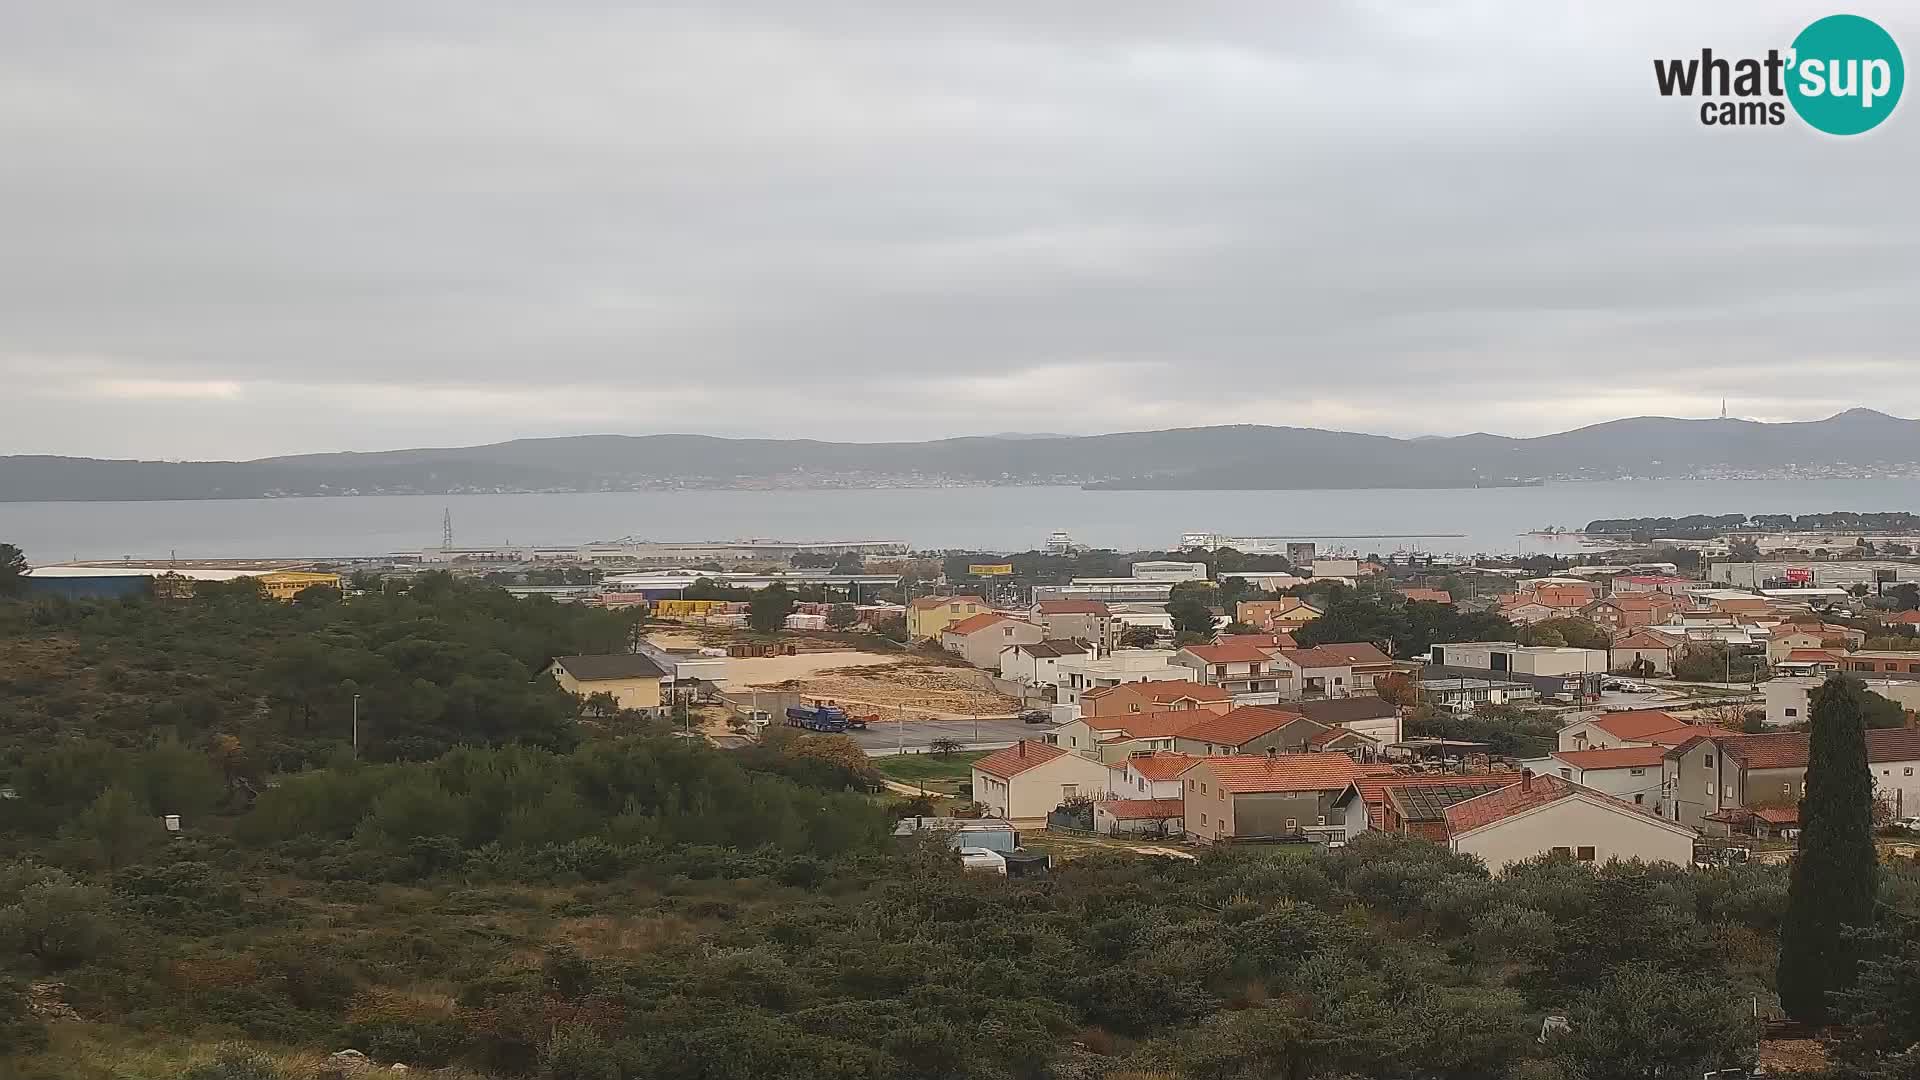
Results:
1270 753
1023 748
1526 779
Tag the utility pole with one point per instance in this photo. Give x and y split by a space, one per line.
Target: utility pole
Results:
356 727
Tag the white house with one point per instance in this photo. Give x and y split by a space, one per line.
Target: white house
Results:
1148 776
1631 774
1025 781
1078 674
1545 814
1038 663
979 638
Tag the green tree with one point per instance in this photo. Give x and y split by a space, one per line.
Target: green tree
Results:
116 829
1189 605
842 616
1837 870
1642 1021
13 570
769 608
1139 637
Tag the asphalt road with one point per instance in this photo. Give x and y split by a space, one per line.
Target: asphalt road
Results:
885 738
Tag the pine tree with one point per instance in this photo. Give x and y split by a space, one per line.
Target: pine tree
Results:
1837 869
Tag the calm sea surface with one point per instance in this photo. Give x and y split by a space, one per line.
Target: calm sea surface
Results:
1489 520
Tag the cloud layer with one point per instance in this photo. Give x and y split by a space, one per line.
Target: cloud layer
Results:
229 230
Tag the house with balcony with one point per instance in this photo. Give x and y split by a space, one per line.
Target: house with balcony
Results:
1243 671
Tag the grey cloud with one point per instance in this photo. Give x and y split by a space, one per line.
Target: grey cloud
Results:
239 229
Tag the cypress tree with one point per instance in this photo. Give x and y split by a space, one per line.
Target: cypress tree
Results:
1837 869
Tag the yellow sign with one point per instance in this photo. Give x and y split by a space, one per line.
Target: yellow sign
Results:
990 569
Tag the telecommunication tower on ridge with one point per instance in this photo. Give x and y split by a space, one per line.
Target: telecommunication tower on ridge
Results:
446 527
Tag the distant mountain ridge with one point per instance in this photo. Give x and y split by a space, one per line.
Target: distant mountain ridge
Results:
1237 457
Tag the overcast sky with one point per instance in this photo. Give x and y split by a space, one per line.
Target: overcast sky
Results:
246 228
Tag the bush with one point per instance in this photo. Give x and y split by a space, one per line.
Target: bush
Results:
235 1063
45 915
576 1053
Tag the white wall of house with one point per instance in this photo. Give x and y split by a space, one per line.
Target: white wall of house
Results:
1623 659
1899 783
1076 675
1035 792
1575 822
1638 784
1127 783
982 647
1023 667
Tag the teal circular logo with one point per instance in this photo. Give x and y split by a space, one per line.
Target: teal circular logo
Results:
1846 75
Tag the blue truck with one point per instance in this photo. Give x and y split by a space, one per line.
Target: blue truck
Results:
819 716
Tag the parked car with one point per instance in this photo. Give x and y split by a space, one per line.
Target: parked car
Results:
1911 824
1035 716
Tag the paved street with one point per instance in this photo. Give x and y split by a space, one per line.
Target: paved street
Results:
885 738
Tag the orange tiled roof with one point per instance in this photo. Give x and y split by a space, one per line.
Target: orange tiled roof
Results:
1438 596
1505 802
1373 789
973 623
1159 765
1018 758
1637 724
1248 774
1147 725
1812 656
1161 691
1623 757
1240 726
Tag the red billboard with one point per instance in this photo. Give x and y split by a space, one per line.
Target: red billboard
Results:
1799 575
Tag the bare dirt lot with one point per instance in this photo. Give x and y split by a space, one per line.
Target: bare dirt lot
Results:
914 688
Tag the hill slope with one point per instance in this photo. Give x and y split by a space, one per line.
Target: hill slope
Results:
1237 457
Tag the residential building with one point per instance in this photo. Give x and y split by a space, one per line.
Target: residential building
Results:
1631 727
1883 664
978 639
1434 596
929 615
990 833
1152 775
1269 640
1632 774
1108 739
287 584
1540 815
1038 663
1256 796
1808 662
1712 774
1112 590
1238 669
1566 597
633 680
1527 612
1625 612
1157 695
1248 730
1794 634
1644 651
1168 570
1336 568
1285 615
1027 780
1079 674
1087 620
1411 804
1369 715
1464 688
1789 698
1337 669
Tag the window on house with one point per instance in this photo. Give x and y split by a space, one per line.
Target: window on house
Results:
1190 784
1293 824
1566 774
1563 851
1321 820
1069 791
1639 800
1203 819
1709 787
1133 708
1908 771
1585 854
1793 712
1636 772
1709 762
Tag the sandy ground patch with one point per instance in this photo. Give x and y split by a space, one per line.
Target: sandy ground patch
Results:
764 671
917 690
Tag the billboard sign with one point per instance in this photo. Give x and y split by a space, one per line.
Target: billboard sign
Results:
1799 575
990 569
